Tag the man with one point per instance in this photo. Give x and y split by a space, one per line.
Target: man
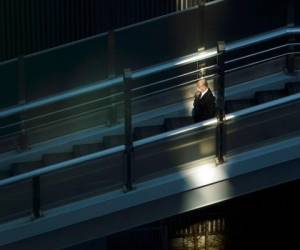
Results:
204 102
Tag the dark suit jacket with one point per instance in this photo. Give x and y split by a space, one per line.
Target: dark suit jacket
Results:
205 107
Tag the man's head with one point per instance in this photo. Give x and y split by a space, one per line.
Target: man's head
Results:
202 85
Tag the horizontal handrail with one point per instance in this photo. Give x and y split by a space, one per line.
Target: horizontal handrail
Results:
148 140
9 61
213 2
64 109
61 97
258 62
103 98
174 77
62 165
75 116
261 52
68 45
161 81
234 115
100 35
258 53
145 72
106 83
262 38
172 133
126 80
195 57
263 106
186 83
64 119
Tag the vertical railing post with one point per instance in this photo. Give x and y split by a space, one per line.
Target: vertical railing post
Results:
23 137
111 73
290 58
128 129
291 14
164 235
36 197
111 70
201 41
220 131
112 115
201 13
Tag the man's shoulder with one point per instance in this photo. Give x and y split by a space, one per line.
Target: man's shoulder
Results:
210 94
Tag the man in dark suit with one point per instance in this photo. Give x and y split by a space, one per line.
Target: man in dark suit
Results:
204 102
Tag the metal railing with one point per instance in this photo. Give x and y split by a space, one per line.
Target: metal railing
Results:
136 75
118 81
125 82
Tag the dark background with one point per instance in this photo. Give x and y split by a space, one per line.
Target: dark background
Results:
27 26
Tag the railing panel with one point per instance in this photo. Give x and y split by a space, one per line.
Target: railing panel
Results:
297 12
158 41
83 181
259 128
54 71
9 96
9 84
248 18
171 154
253 72
64 68
16 201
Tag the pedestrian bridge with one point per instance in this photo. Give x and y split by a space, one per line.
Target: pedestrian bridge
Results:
148 161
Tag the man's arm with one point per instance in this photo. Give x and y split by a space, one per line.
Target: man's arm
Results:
211 107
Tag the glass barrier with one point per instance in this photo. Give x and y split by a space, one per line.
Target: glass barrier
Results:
171 154
94 177
171 89
264 127
84 62
10 135
48 123
174 153
16 201
8 89
296 12
88 179
157 41
182 33
243 19
60 69
255 71
57 120
9 96
163 38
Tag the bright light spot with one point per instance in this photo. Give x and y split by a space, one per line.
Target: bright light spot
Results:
204 174
180 131
210 122
229 117
198 57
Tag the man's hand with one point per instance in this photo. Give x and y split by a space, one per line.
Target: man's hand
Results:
197 93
